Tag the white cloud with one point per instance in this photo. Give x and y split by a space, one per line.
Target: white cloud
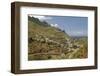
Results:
77 33
42 18
54 25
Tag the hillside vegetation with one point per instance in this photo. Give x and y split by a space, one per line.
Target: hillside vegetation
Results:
47 42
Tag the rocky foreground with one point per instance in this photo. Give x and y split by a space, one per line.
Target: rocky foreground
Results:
42 48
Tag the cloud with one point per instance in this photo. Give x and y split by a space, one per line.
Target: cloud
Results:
54 25
42 18
78 33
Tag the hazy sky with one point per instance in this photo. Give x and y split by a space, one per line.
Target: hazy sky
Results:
74 26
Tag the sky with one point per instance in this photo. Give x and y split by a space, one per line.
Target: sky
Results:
73 26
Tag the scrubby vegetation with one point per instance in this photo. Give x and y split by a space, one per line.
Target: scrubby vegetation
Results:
47 42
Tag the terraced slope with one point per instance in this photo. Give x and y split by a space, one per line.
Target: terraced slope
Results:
47 42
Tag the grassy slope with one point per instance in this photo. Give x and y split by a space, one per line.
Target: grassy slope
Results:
50 32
